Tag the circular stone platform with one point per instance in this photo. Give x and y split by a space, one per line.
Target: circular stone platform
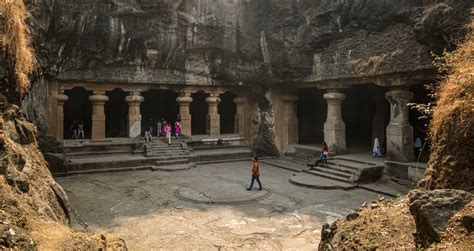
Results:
231 194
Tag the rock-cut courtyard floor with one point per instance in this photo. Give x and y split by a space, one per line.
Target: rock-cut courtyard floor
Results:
208 208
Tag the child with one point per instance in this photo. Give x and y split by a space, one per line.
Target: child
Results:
323 158
255 174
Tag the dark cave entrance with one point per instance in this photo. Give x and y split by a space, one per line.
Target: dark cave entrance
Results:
158 104
358 110
77 108
227 110
420 123
311 116
199 110
116 113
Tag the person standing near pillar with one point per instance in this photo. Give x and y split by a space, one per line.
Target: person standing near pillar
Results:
177 128
159 127
167 130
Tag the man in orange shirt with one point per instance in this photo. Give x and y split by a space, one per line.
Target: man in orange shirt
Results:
255 174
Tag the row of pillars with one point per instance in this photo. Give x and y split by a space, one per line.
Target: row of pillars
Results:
134 100
399 132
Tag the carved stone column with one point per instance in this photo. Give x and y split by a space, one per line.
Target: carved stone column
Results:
98 100
239 122
134 115
334 127
213 126
61 99
290 120
399 130
184 101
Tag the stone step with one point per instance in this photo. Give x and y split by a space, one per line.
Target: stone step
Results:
110 164
342 169
328 175
110 170
174 168
158 154
171 162
345 164
332 171
178 157
317 182
103 152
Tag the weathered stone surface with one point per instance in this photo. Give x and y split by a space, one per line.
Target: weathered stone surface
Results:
229 41
432 211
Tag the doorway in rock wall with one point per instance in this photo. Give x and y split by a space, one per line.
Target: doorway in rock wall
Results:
311 116
77 109
358 110
159 104
419 122
227 111
116 113
198 110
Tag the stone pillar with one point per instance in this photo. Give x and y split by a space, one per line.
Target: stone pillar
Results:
98 100
213 126
334 127
239 118
61 99
399 131
184 101
134 116
290 120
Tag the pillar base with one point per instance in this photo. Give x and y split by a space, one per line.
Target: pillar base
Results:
335 136
400 146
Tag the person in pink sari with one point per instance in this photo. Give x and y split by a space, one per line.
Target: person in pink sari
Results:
167 130
177 128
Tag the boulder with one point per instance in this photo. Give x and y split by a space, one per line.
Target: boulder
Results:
432 211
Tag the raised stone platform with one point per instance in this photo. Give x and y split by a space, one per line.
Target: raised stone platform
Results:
311 181
235 195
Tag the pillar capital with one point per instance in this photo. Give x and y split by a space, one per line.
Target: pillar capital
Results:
183 100
213 100
290 98
402 95
334 96
98 99
61 98
239 100
134 99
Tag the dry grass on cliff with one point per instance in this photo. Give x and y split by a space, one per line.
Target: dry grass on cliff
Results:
389 226
452 127
15 40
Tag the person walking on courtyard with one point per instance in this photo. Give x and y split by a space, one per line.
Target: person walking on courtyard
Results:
376 150
159 127
323 158
177 128
167 130
255 174
80 130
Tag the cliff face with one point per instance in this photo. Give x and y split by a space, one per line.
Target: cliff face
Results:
228 41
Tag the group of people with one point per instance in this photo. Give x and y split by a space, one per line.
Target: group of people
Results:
162 128
77 130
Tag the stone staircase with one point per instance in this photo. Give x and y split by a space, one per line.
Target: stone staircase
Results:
347 170
163 154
